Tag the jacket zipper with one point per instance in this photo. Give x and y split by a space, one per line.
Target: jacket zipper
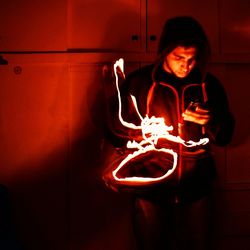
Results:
180 123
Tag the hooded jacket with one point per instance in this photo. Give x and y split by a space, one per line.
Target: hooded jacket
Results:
161 94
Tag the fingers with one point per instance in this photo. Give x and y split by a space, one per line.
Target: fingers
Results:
199 116
201 110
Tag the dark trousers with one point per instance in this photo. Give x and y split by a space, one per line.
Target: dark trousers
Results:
168 226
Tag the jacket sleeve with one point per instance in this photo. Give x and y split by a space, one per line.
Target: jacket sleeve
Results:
221 127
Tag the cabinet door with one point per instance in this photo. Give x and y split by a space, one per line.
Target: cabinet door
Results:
33 25
160 10
235 26
111 25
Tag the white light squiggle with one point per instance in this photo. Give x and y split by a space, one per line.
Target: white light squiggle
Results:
152 128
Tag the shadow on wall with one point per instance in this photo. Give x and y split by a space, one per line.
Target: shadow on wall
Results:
60 207
99 218
39 197
60 202
8 237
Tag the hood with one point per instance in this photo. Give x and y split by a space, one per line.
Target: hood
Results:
183 31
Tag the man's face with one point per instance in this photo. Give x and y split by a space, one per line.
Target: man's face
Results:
180 61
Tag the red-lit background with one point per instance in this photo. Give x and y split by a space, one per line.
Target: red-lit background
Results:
51 108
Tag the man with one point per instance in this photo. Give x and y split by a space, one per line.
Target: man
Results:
175 214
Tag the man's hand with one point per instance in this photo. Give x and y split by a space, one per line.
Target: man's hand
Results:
197 114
